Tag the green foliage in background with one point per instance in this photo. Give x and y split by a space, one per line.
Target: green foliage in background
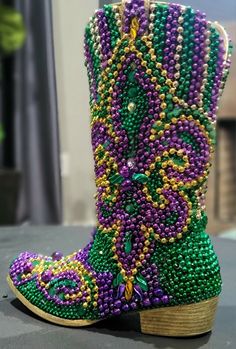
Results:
12 30
12 37
1 133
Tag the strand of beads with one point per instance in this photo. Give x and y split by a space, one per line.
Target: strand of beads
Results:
217 79
179 46
96 36
91 75
212 65
199 58
136 9
171 45
159 32
90 38
114 22
116 10
186 54
151 20
205 67
104 37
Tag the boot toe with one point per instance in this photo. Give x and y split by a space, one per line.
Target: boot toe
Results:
56 288
24 267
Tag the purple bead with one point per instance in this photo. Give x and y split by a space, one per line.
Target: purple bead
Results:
46 276
156 301
133 305
57 255
158 292
116 311
28 267
146 302
165 299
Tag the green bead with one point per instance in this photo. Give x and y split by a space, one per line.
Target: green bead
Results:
130 208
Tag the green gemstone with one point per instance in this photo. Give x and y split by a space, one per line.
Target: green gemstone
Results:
132 92
131 76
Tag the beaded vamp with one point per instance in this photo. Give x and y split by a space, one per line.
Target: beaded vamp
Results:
155 75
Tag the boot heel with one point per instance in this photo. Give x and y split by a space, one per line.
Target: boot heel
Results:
180 321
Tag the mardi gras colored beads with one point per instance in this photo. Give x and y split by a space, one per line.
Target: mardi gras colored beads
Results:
155 77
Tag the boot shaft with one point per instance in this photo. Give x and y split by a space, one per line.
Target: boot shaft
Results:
156 73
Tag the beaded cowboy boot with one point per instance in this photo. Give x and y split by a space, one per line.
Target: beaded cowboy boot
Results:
156 72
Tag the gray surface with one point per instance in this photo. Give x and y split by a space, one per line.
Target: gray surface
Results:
19 328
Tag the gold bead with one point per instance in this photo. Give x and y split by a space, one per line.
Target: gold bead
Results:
163 105
143 228
162 115
152 138
152 166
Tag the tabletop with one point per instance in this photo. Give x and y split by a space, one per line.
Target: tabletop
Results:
19 328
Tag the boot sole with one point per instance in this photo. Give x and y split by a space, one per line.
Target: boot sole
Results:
176 321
